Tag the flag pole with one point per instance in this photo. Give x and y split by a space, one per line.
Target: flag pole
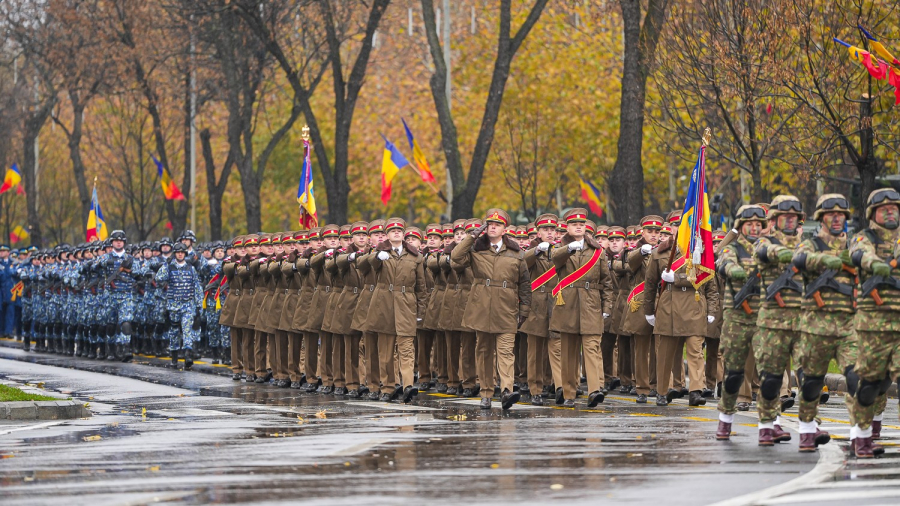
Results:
705 139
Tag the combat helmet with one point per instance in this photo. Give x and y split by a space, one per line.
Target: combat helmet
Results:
784 204
829 203
879 198
750 212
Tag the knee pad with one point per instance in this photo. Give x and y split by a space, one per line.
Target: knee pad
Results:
884 386
125 328
733 381
812 387
868 391
770 385
852 380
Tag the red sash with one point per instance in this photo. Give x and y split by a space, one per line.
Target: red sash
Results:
543 279
639 289
575 276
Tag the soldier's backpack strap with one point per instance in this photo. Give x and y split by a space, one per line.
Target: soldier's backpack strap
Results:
741 251
873 237
820 244
774 240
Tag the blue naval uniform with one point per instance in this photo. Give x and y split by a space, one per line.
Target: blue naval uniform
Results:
8 279
183 298
119 300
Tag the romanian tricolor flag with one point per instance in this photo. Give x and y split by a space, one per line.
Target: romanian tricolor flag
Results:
309 218
878 69
591 194
418 156
170 189
391 163
96 227
695 232
13 178
18 234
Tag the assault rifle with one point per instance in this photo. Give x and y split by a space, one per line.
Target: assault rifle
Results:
870 287
750 288
783 282
826 280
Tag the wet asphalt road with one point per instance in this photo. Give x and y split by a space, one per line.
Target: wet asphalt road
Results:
198 438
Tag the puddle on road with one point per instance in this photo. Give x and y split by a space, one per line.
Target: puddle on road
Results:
86 436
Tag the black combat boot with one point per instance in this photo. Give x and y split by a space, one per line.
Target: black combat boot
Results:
174 359
188 359
124 353
102 350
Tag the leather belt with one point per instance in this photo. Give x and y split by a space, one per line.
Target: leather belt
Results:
496 284
587 286
390 287
682 288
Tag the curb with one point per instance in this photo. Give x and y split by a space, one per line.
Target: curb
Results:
200 365
43 410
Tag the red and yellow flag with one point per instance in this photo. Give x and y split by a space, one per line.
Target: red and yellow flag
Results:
170 189
418 155
12 179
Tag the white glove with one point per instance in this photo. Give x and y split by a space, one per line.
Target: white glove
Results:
544 246
651 319
668 276
383 255
352 257
418 319
576 245
605 315
646 249
329 252
710 319
212 261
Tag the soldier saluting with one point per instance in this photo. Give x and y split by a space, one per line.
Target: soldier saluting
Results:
498 303
583 301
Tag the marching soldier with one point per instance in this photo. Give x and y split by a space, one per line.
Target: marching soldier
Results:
877 323
436 285
680 319
777 339
229 308
537 325
353 282
622 283
397 305
583 300
736 268
368 279
828 307
498 303
634 322
183 298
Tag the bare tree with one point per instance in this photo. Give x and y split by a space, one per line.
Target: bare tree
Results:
720 61
847 116
465 188
524 161
641 33
273 22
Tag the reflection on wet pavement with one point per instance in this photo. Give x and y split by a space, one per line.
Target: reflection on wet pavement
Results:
162 435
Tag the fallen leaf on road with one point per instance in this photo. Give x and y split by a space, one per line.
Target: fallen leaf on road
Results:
495 466
556 486
457 418
92 438
153 468
321 414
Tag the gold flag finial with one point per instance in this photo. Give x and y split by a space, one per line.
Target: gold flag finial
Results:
707 134
305 134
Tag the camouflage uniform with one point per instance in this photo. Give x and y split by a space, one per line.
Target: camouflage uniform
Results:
183 298
120 297
739 326
877 326
777 340
827 331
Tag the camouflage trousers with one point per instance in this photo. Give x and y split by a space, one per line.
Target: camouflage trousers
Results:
219 335
816 353
121 310
181 327
879 358
774 349
736 341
